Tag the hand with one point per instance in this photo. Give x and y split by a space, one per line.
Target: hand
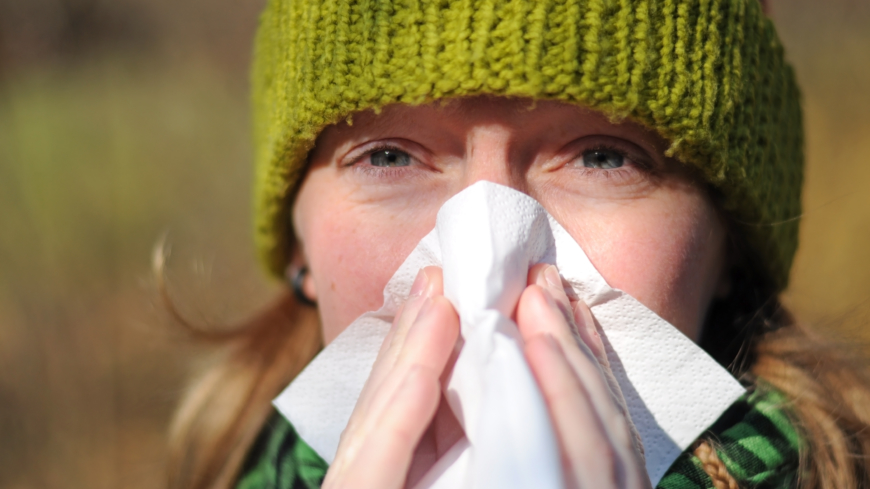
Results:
599 447
394 434
391 437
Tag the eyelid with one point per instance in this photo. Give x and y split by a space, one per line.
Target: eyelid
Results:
418 153
633 152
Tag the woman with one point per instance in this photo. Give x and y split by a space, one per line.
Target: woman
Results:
664 136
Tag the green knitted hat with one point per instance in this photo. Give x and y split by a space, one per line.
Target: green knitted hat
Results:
708 75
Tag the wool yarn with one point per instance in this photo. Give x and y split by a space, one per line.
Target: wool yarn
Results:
709 75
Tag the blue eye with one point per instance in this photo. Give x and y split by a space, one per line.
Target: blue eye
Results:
604 159
390 158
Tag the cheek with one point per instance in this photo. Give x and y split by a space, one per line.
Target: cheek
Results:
665 249
657 252
353 249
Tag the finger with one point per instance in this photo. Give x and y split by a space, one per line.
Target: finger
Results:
538 314
534 301
430 341
588 329
429 282
428 345
587 455
384 457
547 276
583 348
578 332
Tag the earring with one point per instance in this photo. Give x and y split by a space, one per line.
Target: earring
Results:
296 284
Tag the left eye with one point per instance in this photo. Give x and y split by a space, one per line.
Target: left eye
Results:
604 159
390 158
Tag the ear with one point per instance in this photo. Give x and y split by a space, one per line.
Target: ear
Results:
299 264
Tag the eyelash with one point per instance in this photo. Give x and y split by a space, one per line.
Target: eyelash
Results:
377 171
638 164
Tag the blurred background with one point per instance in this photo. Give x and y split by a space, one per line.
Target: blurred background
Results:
126 121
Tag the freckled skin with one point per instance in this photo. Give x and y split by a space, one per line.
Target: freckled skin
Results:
647 227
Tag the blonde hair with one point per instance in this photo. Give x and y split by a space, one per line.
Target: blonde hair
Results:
229 401
830 404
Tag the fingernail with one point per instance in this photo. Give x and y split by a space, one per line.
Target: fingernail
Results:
587 318
583 318
420 284
548 296
579 317
551 274
424 309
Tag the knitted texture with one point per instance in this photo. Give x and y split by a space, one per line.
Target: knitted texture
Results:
754 439
708 75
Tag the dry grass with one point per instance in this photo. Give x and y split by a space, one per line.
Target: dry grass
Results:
100 154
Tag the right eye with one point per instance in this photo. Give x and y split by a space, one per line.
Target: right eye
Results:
390 158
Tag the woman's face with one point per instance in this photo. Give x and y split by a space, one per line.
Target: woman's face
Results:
373 190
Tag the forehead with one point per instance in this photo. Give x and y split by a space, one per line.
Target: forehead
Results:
456 117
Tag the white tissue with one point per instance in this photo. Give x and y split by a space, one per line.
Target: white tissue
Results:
486 239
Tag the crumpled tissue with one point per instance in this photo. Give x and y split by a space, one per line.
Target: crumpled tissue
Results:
486 238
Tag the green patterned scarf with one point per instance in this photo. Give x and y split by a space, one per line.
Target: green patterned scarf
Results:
754 438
